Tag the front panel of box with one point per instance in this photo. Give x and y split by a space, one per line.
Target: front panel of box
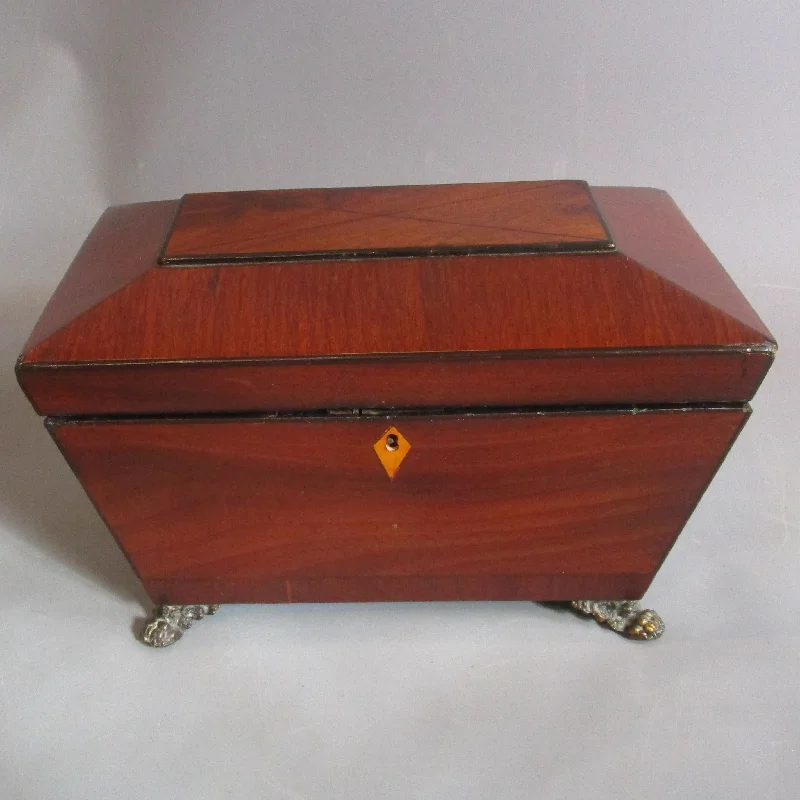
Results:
406 506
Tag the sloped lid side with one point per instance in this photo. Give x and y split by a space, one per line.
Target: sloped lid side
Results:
649 227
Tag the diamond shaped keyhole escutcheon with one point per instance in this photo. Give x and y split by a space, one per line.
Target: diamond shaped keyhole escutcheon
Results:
391 449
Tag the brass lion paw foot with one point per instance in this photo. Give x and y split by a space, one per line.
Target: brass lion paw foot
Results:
626 617
168 623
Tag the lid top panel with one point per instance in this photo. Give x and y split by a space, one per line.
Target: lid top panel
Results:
382 221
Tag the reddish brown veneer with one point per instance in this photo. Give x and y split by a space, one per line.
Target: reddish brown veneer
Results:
570 366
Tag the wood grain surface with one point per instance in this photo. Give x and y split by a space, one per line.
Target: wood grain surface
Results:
542 506
650 229
393 307
119 250
641 378
377 220
465 330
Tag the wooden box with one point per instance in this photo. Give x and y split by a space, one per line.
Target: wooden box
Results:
466 392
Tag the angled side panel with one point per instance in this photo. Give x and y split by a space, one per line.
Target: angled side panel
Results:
122 246
393 307
488 507
648 227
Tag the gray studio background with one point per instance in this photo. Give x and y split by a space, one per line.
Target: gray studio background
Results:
106 103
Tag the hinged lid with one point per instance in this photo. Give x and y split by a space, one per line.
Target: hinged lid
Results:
472 295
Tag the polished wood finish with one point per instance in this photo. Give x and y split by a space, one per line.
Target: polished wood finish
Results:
641 378
501 217
396 307
650 229
119 250
202 402
658 320
531 506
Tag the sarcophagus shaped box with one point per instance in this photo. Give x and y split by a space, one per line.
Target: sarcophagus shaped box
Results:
480 391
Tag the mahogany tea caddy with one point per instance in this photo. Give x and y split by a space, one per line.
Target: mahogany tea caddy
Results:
514 391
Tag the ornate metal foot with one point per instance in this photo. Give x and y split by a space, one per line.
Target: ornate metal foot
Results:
168 623
623 616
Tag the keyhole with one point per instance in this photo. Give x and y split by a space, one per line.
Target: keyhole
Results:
391 442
